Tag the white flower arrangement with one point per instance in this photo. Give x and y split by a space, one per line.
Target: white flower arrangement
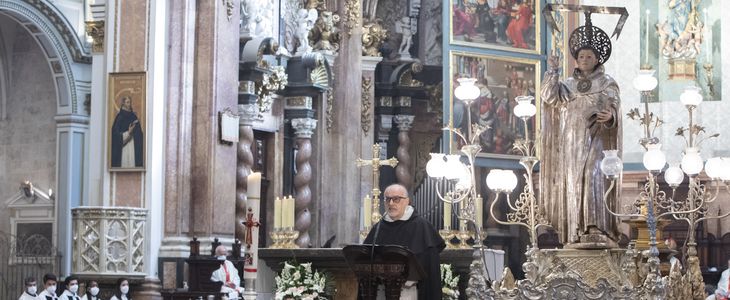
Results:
299 282
449 282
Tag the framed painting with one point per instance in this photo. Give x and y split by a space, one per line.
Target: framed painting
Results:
511 25
126 121
500 80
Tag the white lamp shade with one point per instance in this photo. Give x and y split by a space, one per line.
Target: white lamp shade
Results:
691 161
493 180
453 167
691 96
654 158
645 81
466 89
714 167
509 181
525 108
725 163
673 175
436 165
611 165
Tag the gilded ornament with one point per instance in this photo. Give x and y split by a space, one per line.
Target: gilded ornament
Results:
352 15
373 36
330 121
270 85
365 119
95 29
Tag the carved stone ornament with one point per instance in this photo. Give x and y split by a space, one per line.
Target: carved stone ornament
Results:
373 35
365 115
95 30
248 114
404 122
304 127
269 86
257 17
228 4
325 35
299 102
352 15
330 121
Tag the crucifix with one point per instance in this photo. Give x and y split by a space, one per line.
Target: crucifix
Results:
375 163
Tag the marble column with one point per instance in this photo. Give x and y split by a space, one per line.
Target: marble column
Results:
247 112
367 120
303 129
403 170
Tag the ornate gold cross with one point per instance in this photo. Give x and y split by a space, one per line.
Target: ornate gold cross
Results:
375 163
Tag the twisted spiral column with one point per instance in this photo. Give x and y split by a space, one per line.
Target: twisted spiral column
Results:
244 162
303 129
403 170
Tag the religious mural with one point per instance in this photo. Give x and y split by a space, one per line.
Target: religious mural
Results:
500 80
126 121
499 24
681 39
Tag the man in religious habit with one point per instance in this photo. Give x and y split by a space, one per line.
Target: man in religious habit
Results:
227 274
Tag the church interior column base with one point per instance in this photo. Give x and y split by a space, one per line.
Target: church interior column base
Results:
150 289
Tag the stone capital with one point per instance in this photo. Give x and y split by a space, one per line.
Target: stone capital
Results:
247 114
404 122
95 30
369 62
304 127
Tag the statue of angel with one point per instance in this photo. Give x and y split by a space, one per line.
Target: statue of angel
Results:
305 22
408 30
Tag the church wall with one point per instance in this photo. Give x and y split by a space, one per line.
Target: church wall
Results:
28 135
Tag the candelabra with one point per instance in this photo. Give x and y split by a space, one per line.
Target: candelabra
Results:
652 203
464 194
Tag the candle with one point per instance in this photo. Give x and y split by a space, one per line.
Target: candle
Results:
462 225
254 185
292 211
447 215
646 38
367 211
480 215
277 213
285 212
708 47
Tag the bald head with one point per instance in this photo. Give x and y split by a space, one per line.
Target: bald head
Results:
221 250
396 200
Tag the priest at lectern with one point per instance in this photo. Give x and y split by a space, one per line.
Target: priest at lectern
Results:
404 227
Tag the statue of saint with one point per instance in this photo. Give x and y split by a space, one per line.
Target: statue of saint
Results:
581 118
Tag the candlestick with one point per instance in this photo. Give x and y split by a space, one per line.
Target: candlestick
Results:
707 39
646 38
480 215
447 215
367 211
254 185
277 213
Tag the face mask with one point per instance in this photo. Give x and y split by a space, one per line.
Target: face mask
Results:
51 289
222 257
74 288
32 290
94 291
124 289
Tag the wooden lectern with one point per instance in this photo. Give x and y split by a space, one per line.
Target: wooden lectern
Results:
389 265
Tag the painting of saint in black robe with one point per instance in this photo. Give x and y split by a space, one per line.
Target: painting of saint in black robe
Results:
127 142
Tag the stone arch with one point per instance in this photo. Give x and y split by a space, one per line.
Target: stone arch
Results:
70 66
67 58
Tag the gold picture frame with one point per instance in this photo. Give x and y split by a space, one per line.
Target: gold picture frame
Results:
126 121
500 80
496 24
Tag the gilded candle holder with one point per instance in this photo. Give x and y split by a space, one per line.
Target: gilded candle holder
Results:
277 238
447 234
463 236
289 236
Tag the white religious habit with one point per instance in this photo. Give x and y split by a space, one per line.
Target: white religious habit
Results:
723 286
28 296
67 295
228 274
89 296
45 295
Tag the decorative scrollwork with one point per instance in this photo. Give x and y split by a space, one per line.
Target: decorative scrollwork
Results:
365 119
373 36
270 85
352 15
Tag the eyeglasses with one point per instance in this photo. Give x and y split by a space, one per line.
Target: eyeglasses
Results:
395 199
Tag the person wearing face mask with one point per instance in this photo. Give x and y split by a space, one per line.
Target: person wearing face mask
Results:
72 289
122 291
49 285
30 290
92 291
227 274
